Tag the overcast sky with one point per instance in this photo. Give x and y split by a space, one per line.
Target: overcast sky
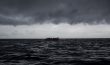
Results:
54 18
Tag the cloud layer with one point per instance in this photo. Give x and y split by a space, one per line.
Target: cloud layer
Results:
23 12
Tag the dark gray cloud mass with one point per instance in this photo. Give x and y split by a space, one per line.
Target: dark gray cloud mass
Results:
18 12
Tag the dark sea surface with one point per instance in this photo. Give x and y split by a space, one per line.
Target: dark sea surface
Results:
55 52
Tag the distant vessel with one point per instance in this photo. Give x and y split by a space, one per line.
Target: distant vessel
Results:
52 39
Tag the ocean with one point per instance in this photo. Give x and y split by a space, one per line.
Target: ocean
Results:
55 52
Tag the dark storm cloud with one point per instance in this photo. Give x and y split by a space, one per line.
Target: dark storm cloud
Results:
17 12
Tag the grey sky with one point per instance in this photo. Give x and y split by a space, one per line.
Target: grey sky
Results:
54 18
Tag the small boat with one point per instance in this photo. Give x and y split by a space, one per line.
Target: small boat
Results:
52 39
